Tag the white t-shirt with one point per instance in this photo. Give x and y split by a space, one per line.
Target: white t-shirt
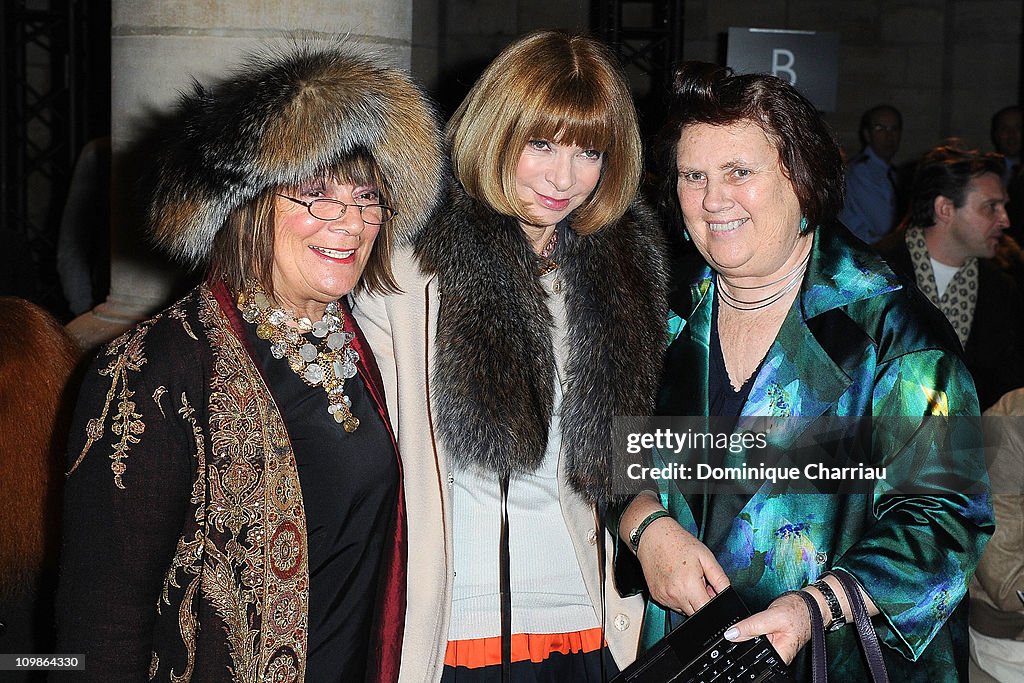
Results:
943 275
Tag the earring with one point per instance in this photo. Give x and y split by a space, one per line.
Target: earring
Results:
686 234
803 224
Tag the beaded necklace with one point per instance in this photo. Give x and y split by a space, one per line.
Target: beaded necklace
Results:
327 366
547 264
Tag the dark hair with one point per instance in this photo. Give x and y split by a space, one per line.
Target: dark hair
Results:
866 117
714 95
946 171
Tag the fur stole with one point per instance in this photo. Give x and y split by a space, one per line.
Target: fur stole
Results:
495 363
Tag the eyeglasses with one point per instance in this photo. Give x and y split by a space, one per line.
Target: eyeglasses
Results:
332 210
881 127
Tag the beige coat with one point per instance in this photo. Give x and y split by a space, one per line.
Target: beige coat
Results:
996 611
401 330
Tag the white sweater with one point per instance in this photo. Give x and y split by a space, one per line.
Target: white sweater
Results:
548 591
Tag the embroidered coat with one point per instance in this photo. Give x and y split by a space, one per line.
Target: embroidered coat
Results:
469 340
857 342
185 506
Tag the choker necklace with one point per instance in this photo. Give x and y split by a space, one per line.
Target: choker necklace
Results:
793 276
546 264
327 366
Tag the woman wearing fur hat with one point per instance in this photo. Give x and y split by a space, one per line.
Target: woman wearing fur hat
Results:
234 507
533 312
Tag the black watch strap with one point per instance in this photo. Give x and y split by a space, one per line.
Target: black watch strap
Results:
834 608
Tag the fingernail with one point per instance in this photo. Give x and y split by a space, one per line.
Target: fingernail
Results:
731 634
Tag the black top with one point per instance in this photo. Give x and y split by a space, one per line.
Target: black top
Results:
723 400
724 403
349 486
994 352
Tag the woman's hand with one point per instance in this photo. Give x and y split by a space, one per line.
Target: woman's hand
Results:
681 572
785 622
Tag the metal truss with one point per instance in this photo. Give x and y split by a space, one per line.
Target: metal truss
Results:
648 37
54 56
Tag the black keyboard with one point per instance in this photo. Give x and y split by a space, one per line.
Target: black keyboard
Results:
696 652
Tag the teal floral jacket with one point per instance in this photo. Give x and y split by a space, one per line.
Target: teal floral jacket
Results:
857 342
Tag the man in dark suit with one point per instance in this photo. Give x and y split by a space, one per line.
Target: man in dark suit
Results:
870 210
957 218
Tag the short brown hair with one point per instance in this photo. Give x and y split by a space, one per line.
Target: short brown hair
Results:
244 247
555 86
713 95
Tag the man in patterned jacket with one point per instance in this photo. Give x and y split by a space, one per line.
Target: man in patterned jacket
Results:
957 218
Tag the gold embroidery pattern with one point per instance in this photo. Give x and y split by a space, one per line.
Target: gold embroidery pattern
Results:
127 425
198 490
231 602
258 581
158 395
285 612
128 356
188 554
178 313
283 668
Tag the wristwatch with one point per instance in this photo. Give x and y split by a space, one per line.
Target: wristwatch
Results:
835 610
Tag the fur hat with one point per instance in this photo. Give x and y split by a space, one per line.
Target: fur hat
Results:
283 118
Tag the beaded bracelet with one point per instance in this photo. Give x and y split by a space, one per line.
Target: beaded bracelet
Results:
638 530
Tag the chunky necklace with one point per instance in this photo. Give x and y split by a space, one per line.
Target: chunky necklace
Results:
327 366
792 279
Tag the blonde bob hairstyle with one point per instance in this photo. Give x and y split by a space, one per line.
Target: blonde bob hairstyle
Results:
553 86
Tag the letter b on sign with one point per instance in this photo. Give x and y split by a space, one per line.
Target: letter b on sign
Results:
782 63
776 52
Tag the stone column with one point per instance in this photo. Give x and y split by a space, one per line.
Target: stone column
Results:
157 47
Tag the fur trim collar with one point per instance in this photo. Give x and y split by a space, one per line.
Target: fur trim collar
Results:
281 119
495 364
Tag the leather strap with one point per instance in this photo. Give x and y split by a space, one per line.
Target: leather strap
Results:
505 572
819 658
866 632
601 509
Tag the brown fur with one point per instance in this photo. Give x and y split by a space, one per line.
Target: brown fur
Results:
283 118
37 358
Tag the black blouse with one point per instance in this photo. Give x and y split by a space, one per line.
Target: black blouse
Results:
725 404
349 485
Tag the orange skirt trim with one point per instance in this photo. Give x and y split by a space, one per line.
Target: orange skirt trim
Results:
535 647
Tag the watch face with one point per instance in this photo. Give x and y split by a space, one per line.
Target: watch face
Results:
836 624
